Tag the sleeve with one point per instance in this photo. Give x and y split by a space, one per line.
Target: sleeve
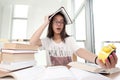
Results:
73 44
45 43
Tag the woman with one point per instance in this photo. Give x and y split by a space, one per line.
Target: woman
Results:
60 46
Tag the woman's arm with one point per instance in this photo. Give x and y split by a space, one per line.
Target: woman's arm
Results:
35 39
83 53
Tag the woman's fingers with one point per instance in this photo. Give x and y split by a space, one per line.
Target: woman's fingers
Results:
100 62
115 57
109 63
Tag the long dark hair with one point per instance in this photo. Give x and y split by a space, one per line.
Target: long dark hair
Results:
63 33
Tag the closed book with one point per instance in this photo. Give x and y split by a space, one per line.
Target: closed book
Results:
19 46
17 51
16 65
16 57
93 68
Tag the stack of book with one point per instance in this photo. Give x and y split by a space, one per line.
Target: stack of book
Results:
15 56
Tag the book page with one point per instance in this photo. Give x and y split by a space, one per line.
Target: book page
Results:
29 74
116 77
84 75
57 73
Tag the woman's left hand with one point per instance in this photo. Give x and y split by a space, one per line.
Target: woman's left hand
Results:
109 63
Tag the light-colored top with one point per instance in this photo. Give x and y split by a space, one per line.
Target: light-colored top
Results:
59 53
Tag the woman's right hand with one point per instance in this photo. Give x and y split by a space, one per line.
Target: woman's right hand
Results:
35 39
108 63
46 20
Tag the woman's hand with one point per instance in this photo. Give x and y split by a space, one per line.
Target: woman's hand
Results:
109 63
46 20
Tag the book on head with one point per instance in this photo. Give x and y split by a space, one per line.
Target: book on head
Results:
64 12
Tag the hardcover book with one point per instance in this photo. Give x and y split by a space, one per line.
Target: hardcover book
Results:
19 46
16 65
13 57
93 68
64 12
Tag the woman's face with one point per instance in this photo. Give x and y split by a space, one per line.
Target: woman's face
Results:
58 24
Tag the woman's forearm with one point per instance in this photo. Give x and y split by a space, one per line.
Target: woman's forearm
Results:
87 55
35 39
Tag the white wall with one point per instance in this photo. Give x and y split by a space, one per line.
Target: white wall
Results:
6 22
0 19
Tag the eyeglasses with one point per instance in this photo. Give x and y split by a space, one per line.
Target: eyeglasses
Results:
58 22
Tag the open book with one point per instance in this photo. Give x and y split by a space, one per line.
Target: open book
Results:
53 73
93 68
64 12
57 73
31 73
